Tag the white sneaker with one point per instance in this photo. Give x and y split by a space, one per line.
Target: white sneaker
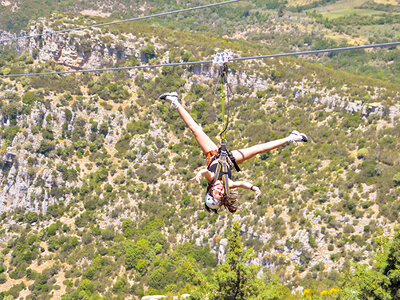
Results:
296 136
171 98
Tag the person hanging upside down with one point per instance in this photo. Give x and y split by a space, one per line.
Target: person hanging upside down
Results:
216 194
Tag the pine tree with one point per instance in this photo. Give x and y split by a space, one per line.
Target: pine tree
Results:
392 268
380 282
236 278
233 277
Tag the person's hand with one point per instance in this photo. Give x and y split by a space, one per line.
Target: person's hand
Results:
197 178
257 191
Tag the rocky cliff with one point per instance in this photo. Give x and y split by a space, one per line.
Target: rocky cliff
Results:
57 154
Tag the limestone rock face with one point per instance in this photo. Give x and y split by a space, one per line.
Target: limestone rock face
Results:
28 179
20 188
76 49
366 109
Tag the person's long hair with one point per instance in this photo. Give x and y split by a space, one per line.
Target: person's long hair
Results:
228 203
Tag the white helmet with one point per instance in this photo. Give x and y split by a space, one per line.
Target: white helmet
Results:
211 202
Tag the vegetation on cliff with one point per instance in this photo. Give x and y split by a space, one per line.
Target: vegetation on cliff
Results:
95 175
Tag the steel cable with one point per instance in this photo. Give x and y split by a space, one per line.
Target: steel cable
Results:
207 61
119 21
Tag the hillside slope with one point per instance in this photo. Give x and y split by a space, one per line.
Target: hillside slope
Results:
95 191
281 26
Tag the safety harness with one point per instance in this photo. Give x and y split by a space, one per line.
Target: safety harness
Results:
223 166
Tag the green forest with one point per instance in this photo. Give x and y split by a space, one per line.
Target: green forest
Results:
96 200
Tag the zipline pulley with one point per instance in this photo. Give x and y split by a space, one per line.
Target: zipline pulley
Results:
221 60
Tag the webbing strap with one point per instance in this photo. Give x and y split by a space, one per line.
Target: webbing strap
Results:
223 167
225 177
217 171
233 160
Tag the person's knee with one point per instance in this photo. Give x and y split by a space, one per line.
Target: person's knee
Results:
197 130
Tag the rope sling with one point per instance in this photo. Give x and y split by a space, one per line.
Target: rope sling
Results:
223 81
223 154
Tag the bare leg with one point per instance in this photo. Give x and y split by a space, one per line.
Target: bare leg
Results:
208 145
204 141
247 153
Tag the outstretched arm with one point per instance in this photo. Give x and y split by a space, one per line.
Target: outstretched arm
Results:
247 185
204 172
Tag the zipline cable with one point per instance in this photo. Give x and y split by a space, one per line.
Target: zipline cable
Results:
119 21
110 69
318 51
206 61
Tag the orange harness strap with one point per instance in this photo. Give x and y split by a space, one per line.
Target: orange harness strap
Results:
210 154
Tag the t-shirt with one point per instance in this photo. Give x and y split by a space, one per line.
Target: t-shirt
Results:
213 167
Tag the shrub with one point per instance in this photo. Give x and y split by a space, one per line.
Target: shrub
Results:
138 127
3 278
352 121
362 153
68 115
31 217
149 173
158 279
90 204
128 228
30 97
201 215
10 132
108 188
122 146
348 228
396 178
121 285
45 147
148 52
